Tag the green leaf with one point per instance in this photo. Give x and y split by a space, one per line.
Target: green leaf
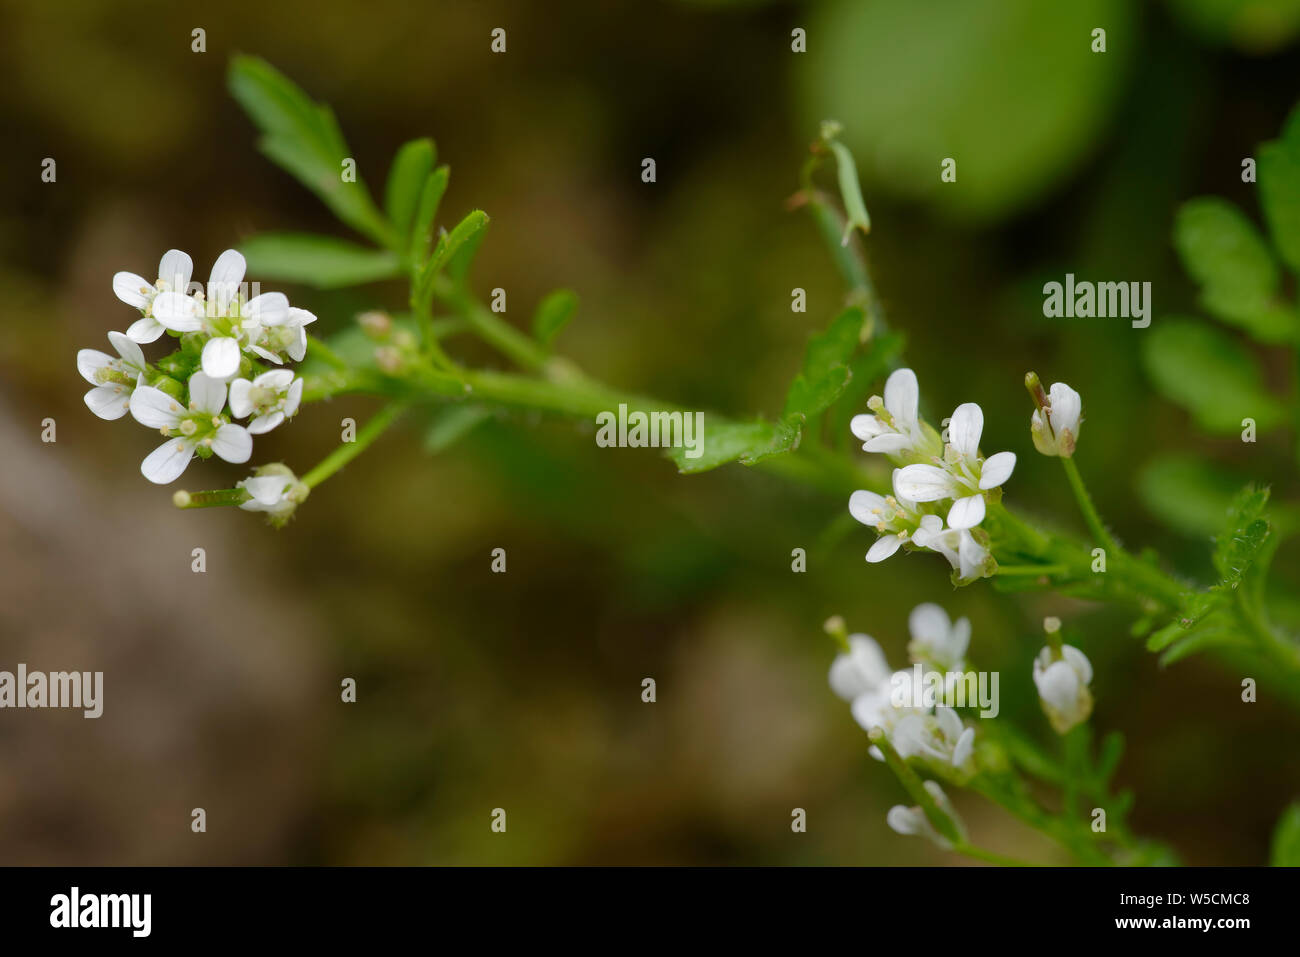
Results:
321 261
304 139
553 314
825 372
850 190
745 442
459 264
1278 168
1196 610
1246 532
1224 252
435 185
452 424
1210 374
1285 848
1200 640
1188 494
406 180
448 245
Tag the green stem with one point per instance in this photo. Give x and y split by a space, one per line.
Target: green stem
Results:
346 452
1090 515
1033 570
989 857
523 350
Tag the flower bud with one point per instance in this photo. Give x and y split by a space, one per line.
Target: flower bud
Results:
1055 422
376 325
1062 676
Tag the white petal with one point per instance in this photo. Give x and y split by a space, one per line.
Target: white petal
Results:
277 379
206 393
298 348
906 820
1066 405
948 722
965 428
889 442
233 443
221 357
1058 686
929 623
294 399
223 283
178 312
885 546
301 317
109 401
132 289
966 512
270 309
997 469
176 268
154 408
89 362
868 507
902 397
1079 662
263 353
166 463
267 489
867 426
265 423
240 404
964 749
923 483
128 350
145 329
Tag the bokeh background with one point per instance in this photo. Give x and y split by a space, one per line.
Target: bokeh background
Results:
522 690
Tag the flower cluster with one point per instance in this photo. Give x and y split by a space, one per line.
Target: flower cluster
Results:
222 336
940 484
886 699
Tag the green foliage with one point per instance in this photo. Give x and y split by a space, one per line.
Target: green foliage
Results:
303 138
1239 278
1285 847
431 193
448 245
1209 373
453 423
1244 537
825 373
1279 189
406 182
1187 494
1253 26
553 314
744 442
320 261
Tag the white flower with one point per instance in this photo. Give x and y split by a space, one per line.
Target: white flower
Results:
113 379
936 639
968 558
939 737
1062 679
274 489
965 476
896 426
174 272
1055 426
861 669
273 395
287 335
231 323
200 429
912 821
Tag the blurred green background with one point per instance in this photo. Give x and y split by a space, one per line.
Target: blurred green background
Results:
522 690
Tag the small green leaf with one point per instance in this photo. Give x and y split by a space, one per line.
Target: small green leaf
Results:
850 191
1285 848
1210 374
304 139
435 185
1196 609
448 245
553 314
1224 252
1246 532
745 442
1278 167
825 372
406 179
320 261
461 261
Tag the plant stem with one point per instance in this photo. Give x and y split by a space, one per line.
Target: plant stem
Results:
346 452
1095 524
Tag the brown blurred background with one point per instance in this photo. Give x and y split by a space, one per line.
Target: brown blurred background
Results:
522 690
